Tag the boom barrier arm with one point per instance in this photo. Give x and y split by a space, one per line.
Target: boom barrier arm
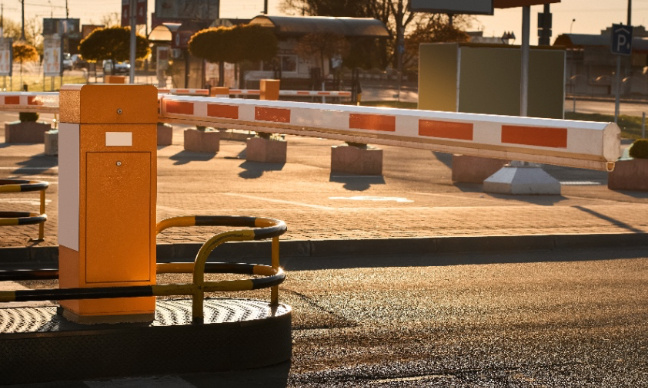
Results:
582 144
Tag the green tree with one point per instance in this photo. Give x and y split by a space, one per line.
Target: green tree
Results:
33 31
321 46
23 52
239 44
399 21
211 44
433 29
112 43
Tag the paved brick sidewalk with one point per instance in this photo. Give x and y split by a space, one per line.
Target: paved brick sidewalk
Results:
414 198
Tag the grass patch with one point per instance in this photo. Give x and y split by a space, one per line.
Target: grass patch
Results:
630 125
35 83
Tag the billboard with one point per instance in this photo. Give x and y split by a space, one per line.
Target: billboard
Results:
52 56
62 26
140 12
482 7
187 9
6 56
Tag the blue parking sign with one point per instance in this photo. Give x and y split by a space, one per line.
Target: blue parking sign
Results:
621 39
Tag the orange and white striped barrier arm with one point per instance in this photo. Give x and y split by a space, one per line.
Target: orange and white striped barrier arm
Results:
184 92
45 102
581 144
315 93
245 92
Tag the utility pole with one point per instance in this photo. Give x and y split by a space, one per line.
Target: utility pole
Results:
629 12
22 31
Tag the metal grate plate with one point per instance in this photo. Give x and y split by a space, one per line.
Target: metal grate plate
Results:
168 312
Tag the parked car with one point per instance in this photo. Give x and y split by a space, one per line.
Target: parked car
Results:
67 61
78 62
120 67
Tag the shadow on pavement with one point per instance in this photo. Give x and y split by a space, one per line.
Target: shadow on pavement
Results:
357 183
36 164
443 158
609 219
184 157
253 170
271 377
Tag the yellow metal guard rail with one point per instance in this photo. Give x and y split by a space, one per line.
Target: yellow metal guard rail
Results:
263 228
24 218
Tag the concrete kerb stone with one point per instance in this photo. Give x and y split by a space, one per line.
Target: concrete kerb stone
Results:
259 251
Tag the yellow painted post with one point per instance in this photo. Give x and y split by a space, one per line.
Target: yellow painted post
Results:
41 226
269 89
107 197
274 293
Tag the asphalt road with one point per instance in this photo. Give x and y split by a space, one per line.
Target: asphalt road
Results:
527 319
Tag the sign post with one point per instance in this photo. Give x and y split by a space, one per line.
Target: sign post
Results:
6 60
621 45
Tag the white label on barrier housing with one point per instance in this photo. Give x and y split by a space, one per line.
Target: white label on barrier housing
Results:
119 139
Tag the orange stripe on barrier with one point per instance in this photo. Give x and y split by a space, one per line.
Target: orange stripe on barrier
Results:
181 107
535 136
303 93
31 100
373 122
446 129
12 100
277 115
224 111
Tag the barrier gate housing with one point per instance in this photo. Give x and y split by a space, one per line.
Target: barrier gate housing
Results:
107 197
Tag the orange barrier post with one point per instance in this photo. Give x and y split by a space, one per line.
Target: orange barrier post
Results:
269 89
107 197
219 91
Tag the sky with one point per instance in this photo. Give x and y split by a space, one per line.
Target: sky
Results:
577 16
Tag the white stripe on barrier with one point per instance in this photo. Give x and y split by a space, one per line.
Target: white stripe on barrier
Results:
580 144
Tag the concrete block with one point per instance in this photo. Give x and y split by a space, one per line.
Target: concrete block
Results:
266 150
631 174
207 141
51 143
26 132
356 160
474 169
164 134
522 180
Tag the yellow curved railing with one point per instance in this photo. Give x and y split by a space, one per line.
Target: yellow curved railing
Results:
262 228
24 218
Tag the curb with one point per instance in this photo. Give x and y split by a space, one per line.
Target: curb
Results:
259 251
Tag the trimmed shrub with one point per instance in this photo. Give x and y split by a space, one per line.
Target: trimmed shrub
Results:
639 149
28 116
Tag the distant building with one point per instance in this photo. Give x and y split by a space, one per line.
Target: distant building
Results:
478 37
591 66
173 36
